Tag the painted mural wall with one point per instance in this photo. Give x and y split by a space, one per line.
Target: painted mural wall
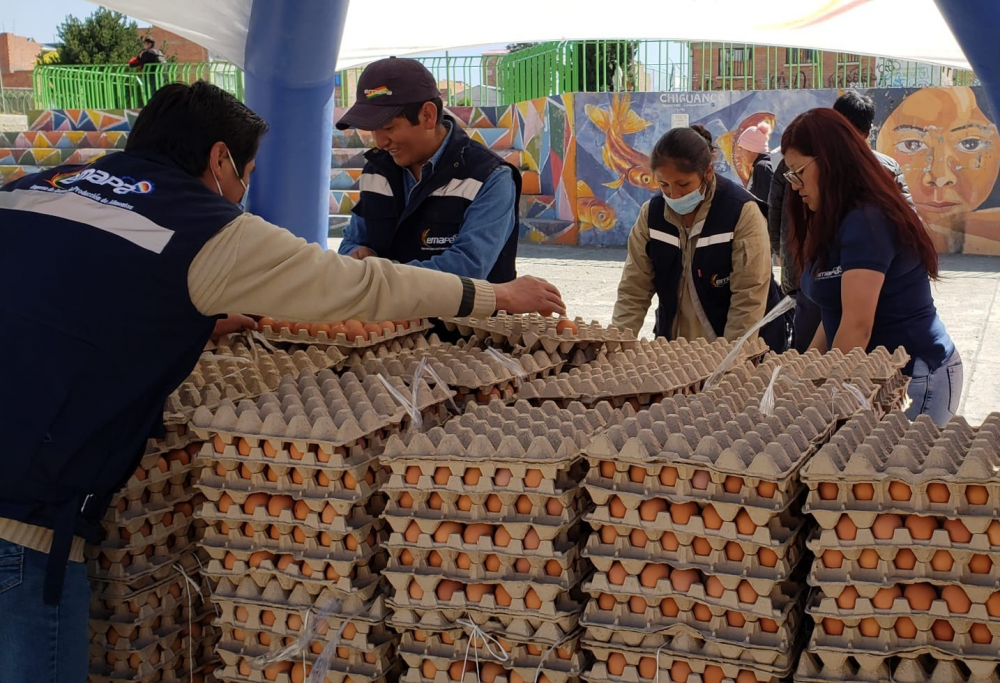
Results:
944 138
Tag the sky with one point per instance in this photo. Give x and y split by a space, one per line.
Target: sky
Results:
39 20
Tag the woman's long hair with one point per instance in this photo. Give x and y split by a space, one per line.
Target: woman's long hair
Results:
850 176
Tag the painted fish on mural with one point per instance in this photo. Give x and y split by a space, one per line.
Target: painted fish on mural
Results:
738 158
591 211
630 164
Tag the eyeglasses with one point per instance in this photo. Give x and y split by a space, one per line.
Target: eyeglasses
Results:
793 177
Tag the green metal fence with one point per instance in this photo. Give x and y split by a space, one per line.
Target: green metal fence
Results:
16 100
119 86
539 70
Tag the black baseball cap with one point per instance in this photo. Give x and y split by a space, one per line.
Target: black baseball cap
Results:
384 88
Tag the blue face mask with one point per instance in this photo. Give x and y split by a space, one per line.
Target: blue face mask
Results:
246 186
686 204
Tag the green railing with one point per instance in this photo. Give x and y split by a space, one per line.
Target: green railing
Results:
16 100
119 86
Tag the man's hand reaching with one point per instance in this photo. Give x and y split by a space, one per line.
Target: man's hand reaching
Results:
529 295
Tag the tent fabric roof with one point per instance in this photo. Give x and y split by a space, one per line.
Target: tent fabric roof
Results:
911 30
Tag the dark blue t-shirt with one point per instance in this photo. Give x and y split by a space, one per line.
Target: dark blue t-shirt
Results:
905 315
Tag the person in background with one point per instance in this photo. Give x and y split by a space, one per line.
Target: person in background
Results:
866 258
860 111
755 140
700 246
148 55
430 196
155 239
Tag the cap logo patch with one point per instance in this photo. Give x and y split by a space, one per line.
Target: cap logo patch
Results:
376 92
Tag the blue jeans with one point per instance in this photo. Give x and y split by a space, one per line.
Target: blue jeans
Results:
41 643
936 393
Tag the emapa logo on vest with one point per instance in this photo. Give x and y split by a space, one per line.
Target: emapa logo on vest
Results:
97 177
431 241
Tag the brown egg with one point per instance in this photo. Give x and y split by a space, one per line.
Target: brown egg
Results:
553 568
885 597
714 674
957 532
464 503
848 598
284 561
905 628
869 628
976 494
242 614
637 538
442 475
412 475
746 594
608 469
412 533
427 669
326 541
554 507
637 474
354 330
474 592
649 509
279 504
711 518
637 605
669 608
464 561
616 664
405 500
701 546
938 493
606 602
701 613
943 631
502 596
531 539
531 599
846 529
328 514
680 671
735 619
668 476
490 671
701 479
474 532
617 574
828 490
767 489
229 561
905 559
258 557
652 574
567 326
980 564
745 525
406 557
746 676
767 557
683 579
434 559
224 502
533 479
294 453
522 565
769 625
900 491
493 503
957 600
435 501
669 542
993 532
833 627
457 670
714 587
253 501
863 491
445 530
681 513
980 634
732 484
608 535
447 588
993 604
920 596
502 477
885 525
415 591
501 537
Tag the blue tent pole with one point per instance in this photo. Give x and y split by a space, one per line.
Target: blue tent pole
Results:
290 65
974 24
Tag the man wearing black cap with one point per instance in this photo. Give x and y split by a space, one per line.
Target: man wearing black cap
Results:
430 196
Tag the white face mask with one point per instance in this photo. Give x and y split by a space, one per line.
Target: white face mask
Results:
686 204
246 186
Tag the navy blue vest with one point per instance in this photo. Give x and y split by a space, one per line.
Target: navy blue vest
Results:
429 223
100 330
711 266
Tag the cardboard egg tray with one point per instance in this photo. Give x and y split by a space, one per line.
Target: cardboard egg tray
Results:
830 667
563 568
236 666
531 627
174 437
151 507
137 664
428 593
470 478
275 363
444 647
541 444
281 331
981 659
296 454
221 539
930 470
116 606
362 481
254 639
157 472
824 604
247 589
533 331
153 562
449 547
977 527
138 534
511 507
879 365
765 640
731 560
211 381
417 672
518 531
323 409
122 637
878 568
680 654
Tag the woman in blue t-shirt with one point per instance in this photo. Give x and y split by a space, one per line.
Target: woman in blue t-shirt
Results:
866 258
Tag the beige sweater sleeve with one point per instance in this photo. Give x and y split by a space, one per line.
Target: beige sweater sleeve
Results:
751 275
254 267
636 289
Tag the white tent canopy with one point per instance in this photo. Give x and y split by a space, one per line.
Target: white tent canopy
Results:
902 29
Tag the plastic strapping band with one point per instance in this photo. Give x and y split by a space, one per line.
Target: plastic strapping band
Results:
475 635
862 401
401 400
538 669
767 400
188 582
235 359
785 305
441 383
310 628
658 651
519 374
322 665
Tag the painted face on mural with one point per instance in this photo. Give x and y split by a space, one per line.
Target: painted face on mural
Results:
803 177
947 149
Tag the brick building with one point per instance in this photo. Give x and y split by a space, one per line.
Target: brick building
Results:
173 45
17 60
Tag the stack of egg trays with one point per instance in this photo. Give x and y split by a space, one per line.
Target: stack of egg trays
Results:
474 373
637 377
147 620
532 332
305 333
292 483
699 539
485 515
907 566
